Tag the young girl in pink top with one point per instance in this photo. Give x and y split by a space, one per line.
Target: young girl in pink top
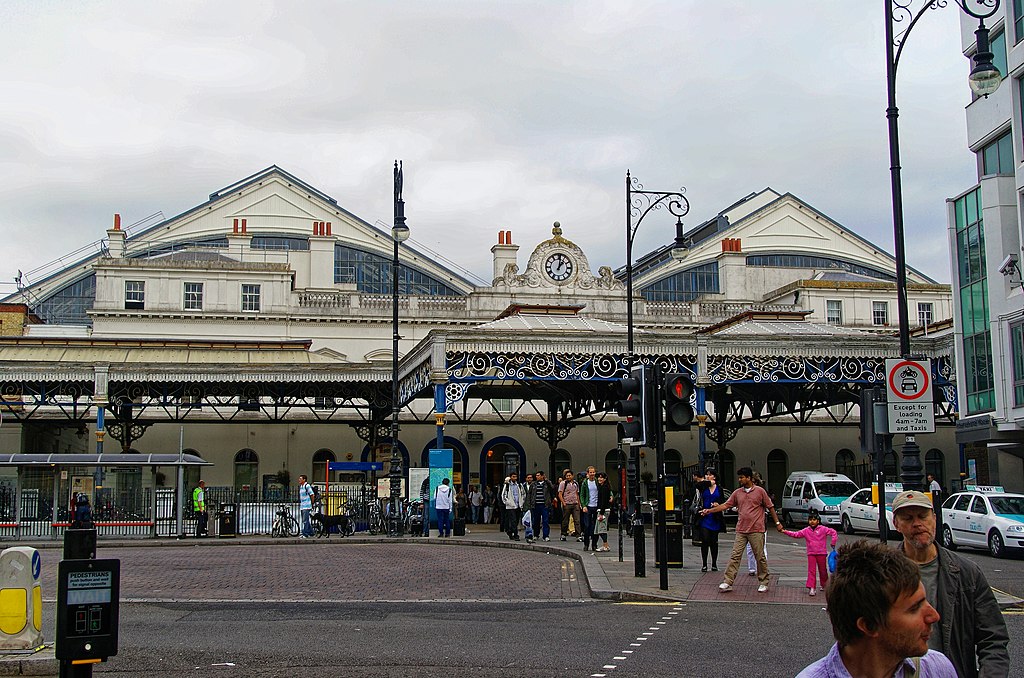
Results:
817 536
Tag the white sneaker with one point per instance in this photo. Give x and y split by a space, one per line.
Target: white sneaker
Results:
546 539
813 591
762 588
724 587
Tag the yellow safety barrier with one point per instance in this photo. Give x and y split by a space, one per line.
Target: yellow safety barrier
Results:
21 599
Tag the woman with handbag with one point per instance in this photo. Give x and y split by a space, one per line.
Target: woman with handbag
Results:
711 495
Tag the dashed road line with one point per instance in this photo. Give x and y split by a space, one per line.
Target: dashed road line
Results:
625 655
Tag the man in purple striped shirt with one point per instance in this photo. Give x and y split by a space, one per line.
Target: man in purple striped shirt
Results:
880 617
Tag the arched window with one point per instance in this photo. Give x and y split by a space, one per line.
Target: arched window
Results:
935 463
778 471
892 467
845 461
724 463
371 273
611 467
560 461
247 471
321 458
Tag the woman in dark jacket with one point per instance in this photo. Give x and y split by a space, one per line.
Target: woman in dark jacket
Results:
710 495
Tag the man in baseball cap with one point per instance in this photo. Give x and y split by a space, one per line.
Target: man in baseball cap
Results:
972 632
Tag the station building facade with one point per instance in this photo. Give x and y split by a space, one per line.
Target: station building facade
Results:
254 331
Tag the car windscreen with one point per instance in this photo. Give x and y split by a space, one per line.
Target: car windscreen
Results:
889 497
1008 505
836 488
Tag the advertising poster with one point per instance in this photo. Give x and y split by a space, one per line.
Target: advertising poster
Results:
440 468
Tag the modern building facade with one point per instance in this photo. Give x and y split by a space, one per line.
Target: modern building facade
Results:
984 226
255 330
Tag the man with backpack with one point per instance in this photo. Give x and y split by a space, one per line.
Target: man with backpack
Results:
308 495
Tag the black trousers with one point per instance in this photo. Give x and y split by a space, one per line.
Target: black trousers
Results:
511 517
709 543
202 520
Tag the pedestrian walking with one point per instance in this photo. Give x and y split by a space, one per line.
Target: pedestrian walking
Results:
476 504
751 502
569 497
443 503
487 500
199 508
817 537
513 498
541 494
498 516
461 505
880 618
972 632
305 507
751 560
709 495
588 500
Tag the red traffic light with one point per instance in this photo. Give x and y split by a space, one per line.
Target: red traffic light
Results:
678 411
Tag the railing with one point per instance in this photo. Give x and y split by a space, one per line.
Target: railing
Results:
130 514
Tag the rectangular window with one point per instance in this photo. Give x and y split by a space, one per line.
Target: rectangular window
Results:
1018 20
924 314
134 294
834 311
250 297
880 312
1017 353
502 405
976 349
998 45
997 157
193 296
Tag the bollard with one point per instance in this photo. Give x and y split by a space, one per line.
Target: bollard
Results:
21 600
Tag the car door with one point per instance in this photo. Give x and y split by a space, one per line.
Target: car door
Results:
957 518
860 514
977 522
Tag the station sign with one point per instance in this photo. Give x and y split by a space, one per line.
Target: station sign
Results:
908 387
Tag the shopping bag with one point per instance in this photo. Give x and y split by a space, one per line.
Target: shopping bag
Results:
833 560
602 523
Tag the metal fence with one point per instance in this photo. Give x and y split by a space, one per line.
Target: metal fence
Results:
135 513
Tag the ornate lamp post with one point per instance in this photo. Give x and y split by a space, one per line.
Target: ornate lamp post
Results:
399 233
640 203
984 80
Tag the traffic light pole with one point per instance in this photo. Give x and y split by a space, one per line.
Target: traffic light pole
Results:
661 531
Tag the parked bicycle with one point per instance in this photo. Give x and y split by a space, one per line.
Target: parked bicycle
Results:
285 524
378 523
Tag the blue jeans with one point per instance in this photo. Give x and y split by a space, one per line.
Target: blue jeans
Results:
589 523
444 522
541 528
307 529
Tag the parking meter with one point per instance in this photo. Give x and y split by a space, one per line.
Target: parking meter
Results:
21 599
88 592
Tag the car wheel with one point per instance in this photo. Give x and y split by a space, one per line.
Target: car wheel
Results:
947 538
847 525
995 545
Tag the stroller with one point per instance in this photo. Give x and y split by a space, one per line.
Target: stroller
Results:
415 527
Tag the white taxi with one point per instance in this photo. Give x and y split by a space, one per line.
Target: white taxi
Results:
858 513
985 517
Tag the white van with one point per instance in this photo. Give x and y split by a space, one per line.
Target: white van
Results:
806 490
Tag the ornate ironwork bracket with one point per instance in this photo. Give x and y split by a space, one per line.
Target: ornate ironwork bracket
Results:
126 433
552 432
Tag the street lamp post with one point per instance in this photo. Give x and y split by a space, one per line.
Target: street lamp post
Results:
399 233
640 203
984 80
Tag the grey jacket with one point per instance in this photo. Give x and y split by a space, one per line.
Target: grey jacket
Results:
972 624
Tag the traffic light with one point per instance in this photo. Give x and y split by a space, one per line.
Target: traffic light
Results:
632 392
678 412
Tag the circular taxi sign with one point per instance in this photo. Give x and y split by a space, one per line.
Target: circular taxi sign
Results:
908 380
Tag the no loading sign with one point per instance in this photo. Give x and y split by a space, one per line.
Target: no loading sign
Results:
908 380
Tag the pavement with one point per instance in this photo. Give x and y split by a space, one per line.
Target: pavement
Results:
610 575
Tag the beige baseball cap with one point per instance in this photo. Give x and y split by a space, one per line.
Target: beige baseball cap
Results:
911 498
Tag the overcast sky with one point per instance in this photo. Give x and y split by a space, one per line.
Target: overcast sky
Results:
507 115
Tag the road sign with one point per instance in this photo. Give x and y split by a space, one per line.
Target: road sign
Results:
908 388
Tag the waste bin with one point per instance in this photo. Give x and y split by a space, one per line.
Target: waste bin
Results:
674 550
226 526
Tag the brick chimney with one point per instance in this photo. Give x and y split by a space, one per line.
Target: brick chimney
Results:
504 253
116 239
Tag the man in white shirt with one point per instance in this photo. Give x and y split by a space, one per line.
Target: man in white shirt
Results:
443 499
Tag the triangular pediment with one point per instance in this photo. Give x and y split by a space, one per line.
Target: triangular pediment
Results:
276 205
792 228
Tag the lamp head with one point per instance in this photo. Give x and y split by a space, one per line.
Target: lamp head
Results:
985 78
681 246
400 232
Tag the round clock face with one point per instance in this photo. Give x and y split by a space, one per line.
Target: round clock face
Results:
558 267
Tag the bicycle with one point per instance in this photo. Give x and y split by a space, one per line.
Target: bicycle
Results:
285 524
